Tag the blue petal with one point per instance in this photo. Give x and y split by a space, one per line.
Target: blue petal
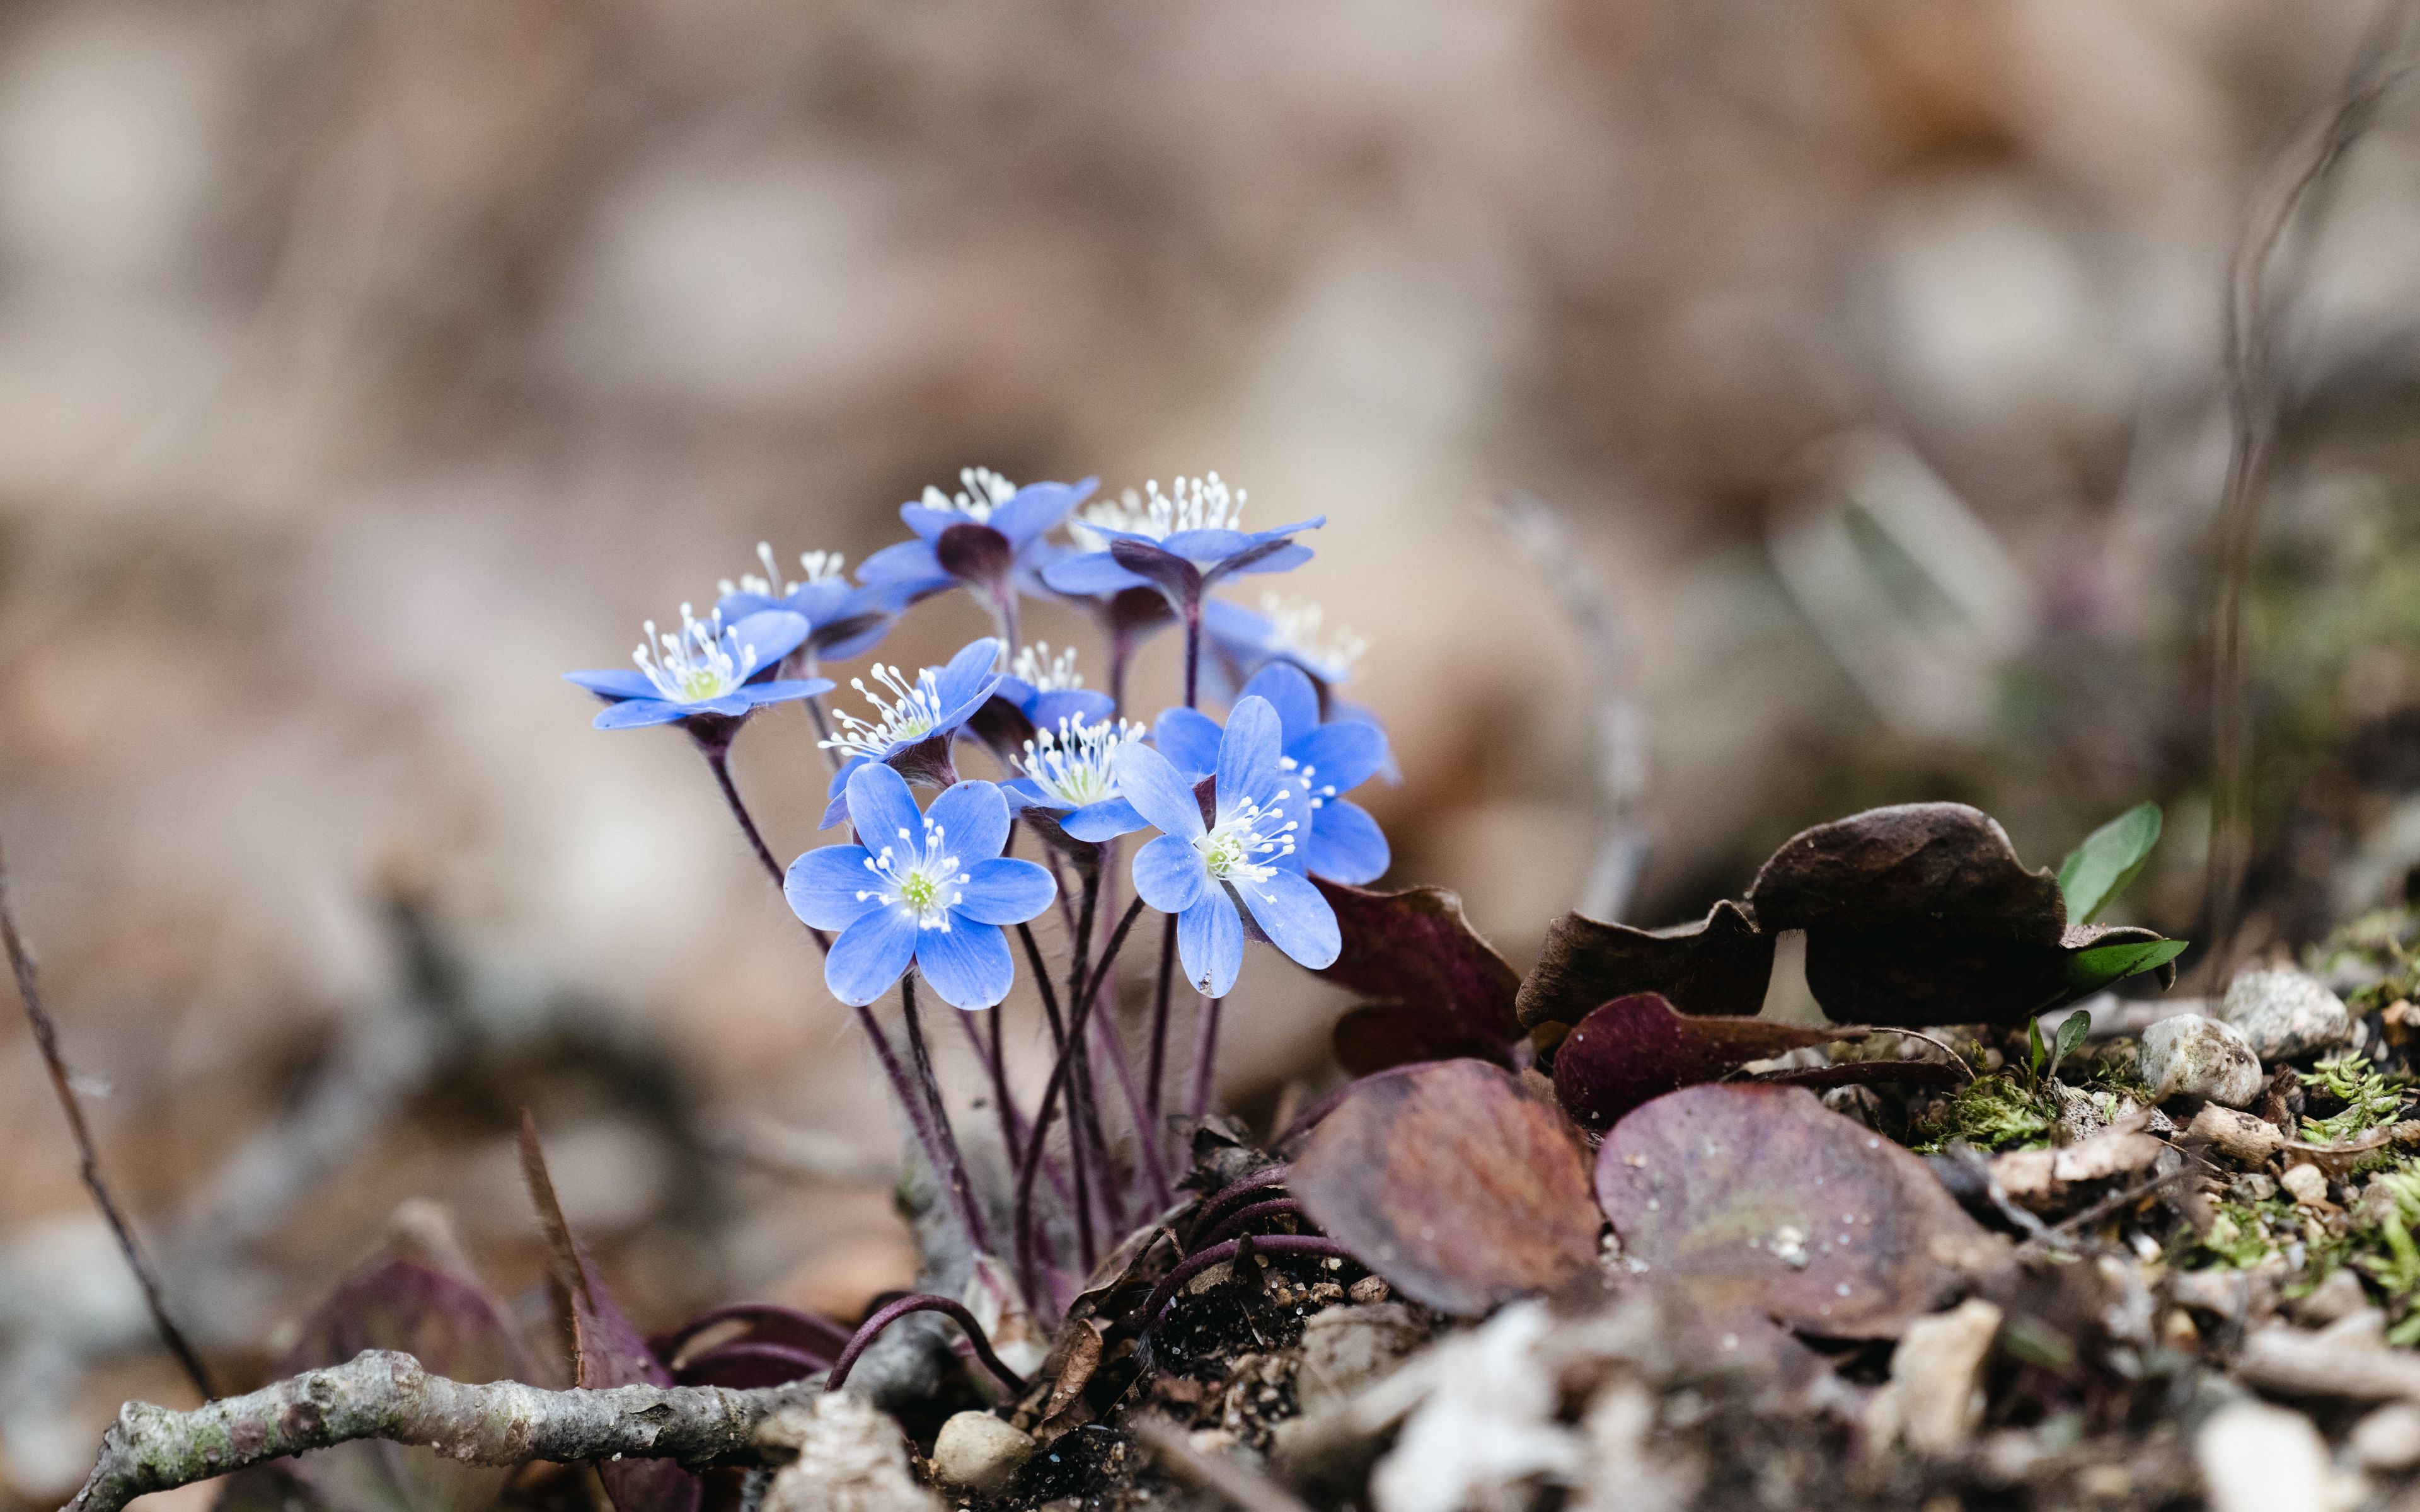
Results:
1339 711
1005 890
1095 572
1284 559
729 703
1189 739
1247 630
1205 545
1081 705
1282 532
903 562
1037 507
615 683
1342 755
636 714
1346 844
967 963
1025 792
1169 875
824 599
736 607
969 675
1248 754
928 524
1295 917
1157 792
1210 940
870 955
1104 820
761 639
824 886
882 808
1291 694
974 817
784 689
836 809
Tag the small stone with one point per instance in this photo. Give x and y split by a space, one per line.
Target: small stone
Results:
2254 1458
1369 1288
1936 1385
2252 1186
2190 1056
2388 1439
2306 1185
2285 1014
851 1457
1344 1349
2237 1134
2340 1296
979 1453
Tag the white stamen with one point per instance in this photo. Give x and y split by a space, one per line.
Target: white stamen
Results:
1315 793
1299 629
926 881
910 713
1244 832
985 491
1045 673
1076 763
696 664
819 565
1201 503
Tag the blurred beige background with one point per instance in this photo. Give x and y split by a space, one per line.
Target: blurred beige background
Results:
364 364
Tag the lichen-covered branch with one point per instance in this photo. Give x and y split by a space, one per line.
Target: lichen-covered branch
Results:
379 1393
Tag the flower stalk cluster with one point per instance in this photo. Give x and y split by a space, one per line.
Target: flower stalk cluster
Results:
1232 818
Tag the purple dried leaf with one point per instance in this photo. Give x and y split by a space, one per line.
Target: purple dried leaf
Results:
1637 1048
1446 991
1760 1198
1460 1183
608 1349
1717 966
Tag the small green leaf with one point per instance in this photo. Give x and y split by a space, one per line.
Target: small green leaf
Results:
2036 1053
2096 871
2071 1030
2091 970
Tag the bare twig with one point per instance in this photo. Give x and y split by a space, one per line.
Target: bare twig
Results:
1546 538
1222 1474
46 1036
2380 63
382 1395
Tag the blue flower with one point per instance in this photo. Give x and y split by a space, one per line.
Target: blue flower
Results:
703 673
1243 855
1244 641
912 727
1179 543
1343 843
1071 773
933 890
1047 689
846 620
990 537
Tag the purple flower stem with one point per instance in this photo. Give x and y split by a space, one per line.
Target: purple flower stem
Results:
1084 1097
1251 1212
1156 1071
1192 610
891 1312
938 1148
1201 1260
989 1055
954 1169
1205 1056
1242 1189
1109 1033
718 760
1077 1013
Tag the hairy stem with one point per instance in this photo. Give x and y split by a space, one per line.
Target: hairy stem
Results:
46 1037
1192 650
1155 1076
718 760
954 1170
1205 1058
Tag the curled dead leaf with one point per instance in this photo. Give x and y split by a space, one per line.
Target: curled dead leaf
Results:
1636 1048
1462 1184
1438 991
1718 966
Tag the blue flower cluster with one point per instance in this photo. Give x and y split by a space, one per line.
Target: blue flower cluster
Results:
1247 812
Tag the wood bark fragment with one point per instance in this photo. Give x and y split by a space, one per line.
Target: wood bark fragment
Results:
379 1393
